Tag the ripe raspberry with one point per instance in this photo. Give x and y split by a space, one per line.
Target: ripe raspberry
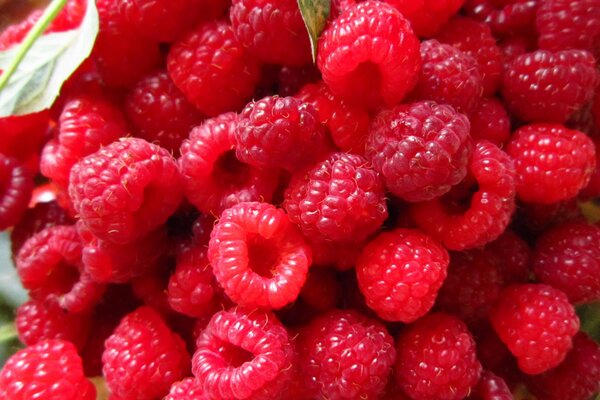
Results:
448 76
490 121
537 323
292 79
380 73
421 149
186 389
340 256
23 136
258 256
49 370
16 185
437 359
491 387
244 355
160 112
340 199
280 132
125 190
345 355
505 18
400 272
427 16
488 210
272 30
214 178
212 69
592 189
549 87
553 163
534 219
475 39
516 46
337 7
143 357
322 289
576 378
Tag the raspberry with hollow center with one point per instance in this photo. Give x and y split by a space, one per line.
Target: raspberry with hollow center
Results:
16 185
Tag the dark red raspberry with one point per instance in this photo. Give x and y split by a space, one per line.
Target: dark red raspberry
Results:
553 163
151 288
400 272
475 39
549 87
369 55
516 46
50 369
537 324
160 112
280 132
212 69
322 289
512 255
576 378
427 16
490 121
340 199
272 30
421 149
505 18
16 185
244 355
437 359
292 79
258 256
214 178
592 189
491 387
186 389
143 357
341 256
126 189
534 219
23 136
475 218
345 355
448 76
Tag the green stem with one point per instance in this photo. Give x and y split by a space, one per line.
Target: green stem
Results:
8 332
38 29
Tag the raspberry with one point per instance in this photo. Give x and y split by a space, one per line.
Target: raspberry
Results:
369 55
489 208
537 324
339 6
322 290
160 112
576 378
341 256
214 178
491 387
490 121
427 16
212 69
280 132
340 199
244 355
272 30
23 136
534 219
505 18
16 185
592 189
448 76
125 190
142 358
51 369
549 87
516 46
400 272
292 79
345 355
186 389
568 258
475 39
421 149
553 163
258 256
436 359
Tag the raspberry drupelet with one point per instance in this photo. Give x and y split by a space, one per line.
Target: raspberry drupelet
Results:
369 55
505 18
491 387
490 121
186 389
427 16
16 185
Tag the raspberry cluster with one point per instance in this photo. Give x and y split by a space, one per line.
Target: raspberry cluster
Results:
203 214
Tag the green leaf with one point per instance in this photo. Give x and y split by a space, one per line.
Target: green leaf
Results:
8 332
314 14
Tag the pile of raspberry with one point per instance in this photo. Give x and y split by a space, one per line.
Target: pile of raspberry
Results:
205 214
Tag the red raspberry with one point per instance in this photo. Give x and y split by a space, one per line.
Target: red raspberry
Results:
516 46
340 199
280 132
337 7
244 355
448 76
186 389
272 30
369 55
475 39
400 272
340 256
576 378
534 219
258 256
491 387
214 178
421 149
427 16
143 357
490 121
537 323
322 289
549 87
151 289
16 185
505 18
23 136
49 370
292 79
512 255
160 112
592 190
437 359
125 190
212 69
345 355
488 210
553 163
